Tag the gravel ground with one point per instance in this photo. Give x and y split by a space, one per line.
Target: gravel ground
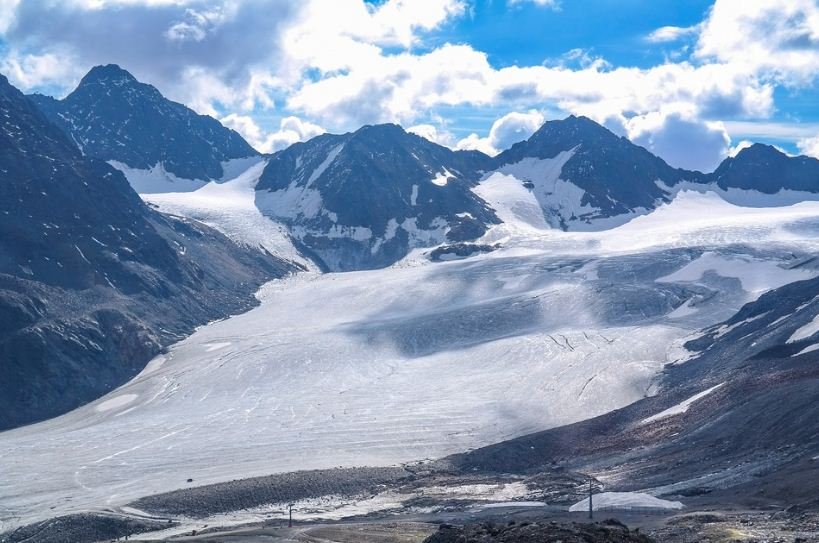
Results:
208 500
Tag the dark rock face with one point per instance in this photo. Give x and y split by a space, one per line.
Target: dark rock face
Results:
546 532
617 176
93 283
112 116
767 170
363 200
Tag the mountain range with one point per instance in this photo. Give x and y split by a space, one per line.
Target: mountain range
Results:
635 321
366 199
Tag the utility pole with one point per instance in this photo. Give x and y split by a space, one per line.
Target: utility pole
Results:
290 509
591 508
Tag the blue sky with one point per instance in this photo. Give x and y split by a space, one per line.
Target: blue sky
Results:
466 73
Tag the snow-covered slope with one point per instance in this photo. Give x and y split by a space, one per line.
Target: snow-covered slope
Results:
229 206
584 177
365 199
405 363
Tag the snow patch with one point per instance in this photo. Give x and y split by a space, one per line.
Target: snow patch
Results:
115 402
806 331
625 501
156 180
210 347
756 276
331 156
230 207
442 178
808 349
681 407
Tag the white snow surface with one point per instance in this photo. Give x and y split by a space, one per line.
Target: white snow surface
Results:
552 202
625 501
299 200
156 179
806 331
691 219
229 206
681 407
757 276
323 374
442 178
808 349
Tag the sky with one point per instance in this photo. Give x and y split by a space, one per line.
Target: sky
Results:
693 81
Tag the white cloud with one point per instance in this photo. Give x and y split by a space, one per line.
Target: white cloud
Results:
772 129
774 38
400 87
34 70
671 33
681 139
506 131
433 133
201 52
809 146
543 3
7 9
474 142
291 130
197 24
735 149
344 63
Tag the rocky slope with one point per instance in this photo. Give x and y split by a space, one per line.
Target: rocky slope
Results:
765 169
93 283
534 532
595 174
114 117
363 200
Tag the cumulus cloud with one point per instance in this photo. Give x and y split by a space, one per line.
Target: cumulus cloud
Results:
544 3
198 24
809 146
681 139
433 133
506 131
777 38
397 87
35 70
735 149
671 33
291 130
224 42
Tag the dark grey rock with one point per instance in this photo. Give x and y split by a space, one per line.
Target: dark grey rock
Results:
112 116
766 169
372 178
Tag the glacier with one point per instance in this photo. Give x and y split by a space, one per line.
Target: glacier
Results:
410 362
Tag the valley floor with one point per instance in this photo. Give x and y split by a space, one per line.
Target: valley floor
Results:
412 362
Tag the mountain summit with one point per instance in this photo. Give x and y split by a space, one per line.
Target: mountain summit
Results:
766 169
114 117
597 174
364 199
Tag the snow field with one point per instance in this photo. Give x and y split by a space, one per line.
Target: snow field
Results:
625 501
